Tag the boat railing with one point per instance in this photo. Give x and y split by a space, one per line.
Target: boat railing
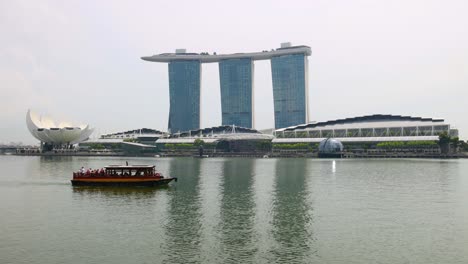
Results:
104 174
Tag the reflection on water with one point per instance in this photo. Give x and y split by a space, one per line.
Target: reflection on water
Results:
236 210
210 199
292 215
183 221
117 192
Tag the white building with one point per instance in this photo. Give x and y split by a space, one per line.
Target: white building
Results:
56 134
372 128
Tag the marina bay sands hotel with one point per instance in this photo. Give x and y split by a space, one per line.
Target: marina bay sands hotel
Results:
289 68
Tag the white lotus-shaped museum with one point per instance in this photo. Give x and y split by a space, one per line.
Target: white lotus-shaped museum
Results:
47 131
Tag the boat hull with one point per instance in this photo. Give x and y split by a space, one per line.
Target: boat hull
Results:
122 182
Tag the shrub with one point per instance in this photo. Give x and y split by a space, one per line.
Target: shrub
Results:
263 145
409 144
96 146
198 142
292 146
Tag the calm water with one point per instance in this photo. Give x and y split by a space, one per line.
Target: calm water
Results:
238 211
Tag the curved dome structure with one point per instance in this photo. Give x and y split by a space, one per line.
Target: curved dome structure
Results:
56 133
330 148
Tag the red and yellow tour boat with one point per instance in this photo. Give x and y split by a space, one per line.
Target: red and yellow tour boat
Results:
119 175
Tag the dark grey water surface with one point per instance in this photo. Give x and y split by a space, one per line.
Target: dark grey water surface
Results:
233 210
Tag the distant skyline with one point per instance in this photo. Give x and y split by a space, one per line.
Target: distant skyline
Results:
81 60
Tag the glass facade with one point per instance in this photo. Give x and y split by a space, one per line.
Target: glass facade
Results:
289 89
184 95
404 131
235 78
330 145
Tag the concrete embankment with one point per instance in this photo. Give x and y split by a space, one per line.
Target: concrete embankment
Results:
274 154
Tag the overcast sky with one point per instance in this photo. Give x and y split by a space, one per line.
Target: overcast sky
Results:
80 60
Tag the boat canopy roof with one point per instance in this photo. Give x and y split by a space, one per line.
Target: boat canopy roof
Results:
129 167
